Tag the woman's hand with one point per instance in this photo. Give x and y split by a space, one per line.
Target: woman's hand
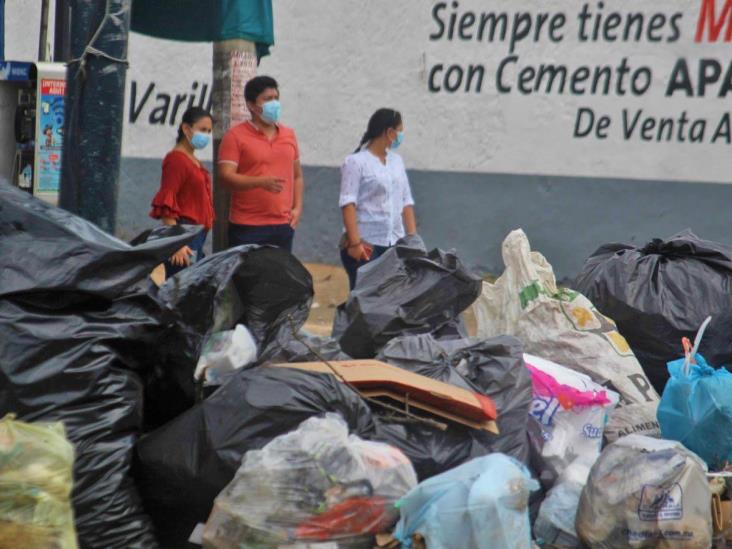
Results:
360 252
182 257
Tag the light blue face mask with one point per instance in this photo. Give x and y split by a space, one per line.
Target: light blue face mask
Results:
200 140
271 111
398 141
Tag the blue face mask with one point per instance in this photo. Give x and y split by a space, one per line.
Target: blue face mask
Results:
398 141
200 140
271 111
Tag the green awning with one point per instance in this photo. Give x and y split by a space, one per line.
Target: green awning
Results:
206 20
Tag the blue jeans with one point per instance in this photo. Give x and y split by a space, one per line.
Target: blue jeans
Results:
351 265
196 245
274 235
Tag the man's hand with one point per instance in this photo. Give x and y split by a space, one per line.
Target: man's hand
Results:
272 184
182 257
295 217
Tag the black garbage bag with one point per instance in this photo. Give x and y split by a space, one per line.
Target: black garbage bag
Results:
491 367
77 319
662 292
184 465
265 288
299 349
405 291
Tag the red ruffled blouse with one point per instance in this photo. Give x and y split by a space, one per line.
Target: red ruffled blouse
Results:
185 191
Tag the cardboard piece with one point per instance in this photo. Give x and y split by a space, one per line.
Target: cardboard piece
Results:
379 379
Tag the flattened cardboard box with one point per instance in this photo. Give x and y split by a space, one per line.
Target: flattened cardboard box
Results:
379 379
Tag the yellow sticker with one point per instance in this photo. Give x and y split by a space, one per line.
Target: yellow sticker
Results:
619 342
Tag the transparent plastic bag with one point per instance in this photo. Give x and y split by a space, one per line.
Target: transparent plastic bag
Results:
482 504
224 352
317 483
36 461
645 492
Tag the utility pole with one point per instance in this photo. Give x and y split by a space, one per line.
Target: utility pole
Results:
95 109
234 64
43 38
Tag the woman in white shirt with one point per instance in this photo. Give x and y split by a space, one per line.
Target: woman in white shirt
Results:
376 200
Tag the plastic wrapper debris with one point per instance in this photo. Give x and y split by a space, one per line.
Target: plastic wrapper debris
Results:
563 326
492 367
696 410
184 465
77 325
264 288
297 351
572 411
224 352
555 523
483 504
661 292
405 291
36 461
317 483
646 492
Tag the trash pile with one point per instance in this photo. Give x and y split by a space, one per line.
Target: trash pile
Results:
200 411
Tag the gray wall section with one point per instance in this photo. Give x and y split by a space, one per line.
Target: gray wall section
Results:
565 218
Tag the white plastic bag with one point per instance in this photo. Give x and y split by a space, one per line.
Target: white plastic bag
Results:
646 492
572 411
224 352
563 326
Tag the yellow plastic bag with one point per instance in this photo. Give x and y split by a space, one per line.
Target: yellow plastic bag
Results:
36 462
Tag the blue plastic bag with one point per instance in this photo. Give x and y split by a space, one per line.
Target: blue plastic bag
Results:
696 409
481 504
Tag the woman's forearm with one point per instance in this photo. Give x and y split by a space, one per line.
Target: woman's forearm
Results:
351 224
410 220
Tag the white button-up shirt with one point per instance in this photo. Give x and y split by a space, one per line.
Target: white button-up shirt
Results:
380 193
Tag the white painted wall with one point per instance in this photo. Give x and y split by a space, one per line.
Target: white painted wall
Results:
23 26
339 61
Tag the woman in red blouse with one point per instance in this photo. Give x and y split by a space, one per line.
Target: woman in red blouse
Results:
185 195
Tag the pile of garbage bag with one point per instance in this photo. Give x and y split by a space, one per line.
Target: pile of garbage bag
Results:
35 485
312 484
662 292
187 403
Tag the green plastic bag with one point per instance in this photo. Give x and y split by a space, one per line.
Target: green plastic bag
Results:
36 462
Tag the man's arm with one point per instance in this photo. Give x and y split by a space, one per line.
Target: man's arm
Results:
299 191
230 179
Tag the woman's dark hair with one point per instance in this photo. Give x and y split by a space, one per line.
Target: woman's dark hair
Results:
190 117
380 121
257 85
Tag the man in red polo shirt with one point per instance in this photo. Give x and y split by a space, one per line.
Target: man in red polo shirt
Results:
259 160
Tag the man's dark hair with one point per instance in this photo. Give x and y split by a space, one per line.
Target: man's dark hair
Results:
257 85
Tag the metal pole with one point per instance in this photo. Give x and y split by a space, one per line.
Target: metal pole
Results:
43 38
62 32
234 63
94 109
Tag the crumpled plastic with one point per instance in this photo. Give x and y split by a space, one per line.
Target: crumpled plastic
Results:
482 504
405 291
316 483
646 492
696 410
184 465
36 461
78 322
661 292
